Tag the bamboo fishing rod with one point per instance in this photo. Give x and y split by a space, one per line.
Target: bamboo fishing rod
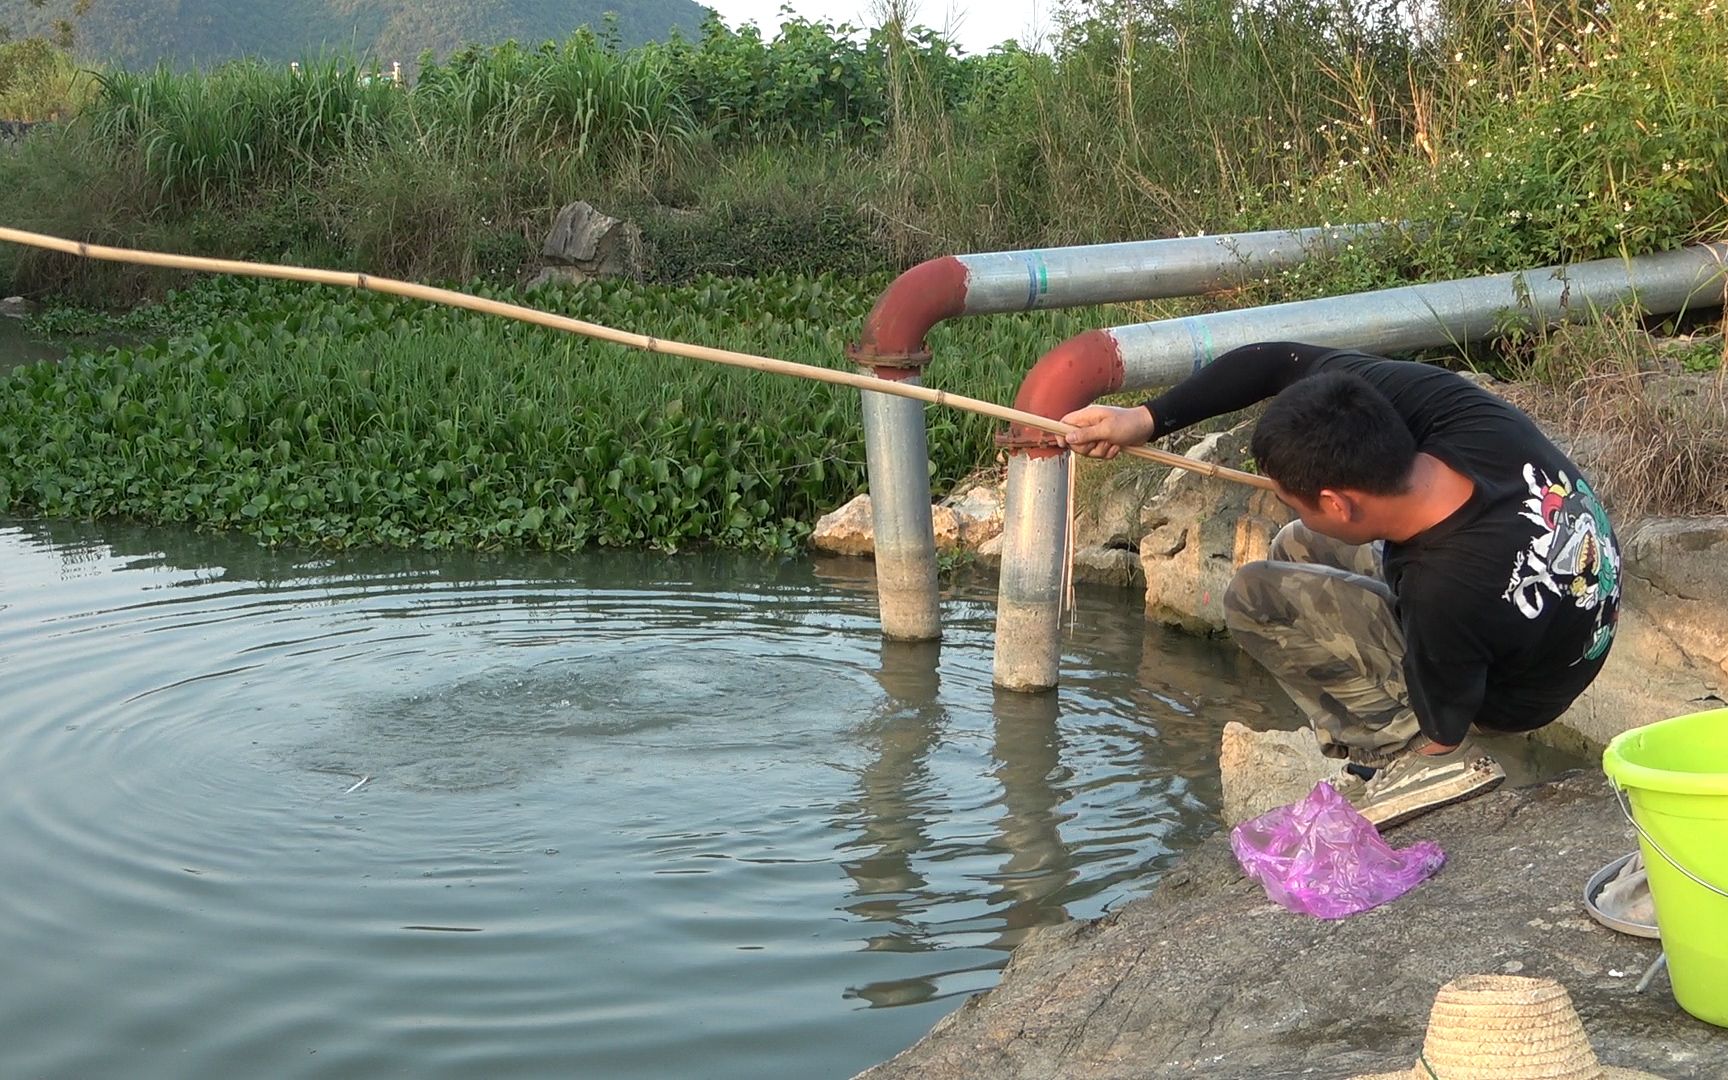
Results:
647 343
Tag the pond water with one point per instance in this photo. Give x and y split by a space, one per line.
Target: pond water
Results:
281 814
18 346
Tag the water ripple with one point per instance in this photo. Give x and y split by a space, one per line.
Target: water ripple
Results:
303 815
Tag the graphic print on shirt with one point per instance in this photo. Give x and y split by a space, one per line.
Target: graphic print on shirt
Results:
1573 557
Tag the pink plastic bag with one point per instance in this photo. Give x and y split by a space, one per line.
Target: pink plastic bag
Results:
1321 857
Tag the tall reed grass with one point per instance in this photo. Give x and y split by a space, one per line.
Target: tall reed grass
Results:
1519 133
581 97
244 125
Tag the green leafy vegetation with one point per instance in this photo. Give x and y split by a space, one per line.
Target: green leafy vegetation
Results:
40 82
321 417
1509 135
1514 135
185 33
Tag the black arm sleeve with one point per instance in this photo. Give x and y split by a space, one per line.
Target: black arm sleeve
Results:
1234 381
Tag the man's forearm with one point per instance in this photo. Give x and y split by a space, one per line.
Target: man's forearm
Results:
1236 380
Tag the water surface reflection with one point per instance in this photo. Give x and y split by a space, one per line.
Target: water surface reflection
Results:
301 814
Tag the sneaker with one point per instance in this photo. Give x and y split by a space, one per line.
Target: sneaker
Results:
1416 783
1349 785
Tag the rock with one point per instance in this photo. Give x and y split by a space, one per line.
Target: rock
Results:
964 521
1682 557
558 275
1109 519
1206 978
1111 500
978 511
1105 552
16 307
1266 769
846 531
1107 566
1648 677
592 244
1201 530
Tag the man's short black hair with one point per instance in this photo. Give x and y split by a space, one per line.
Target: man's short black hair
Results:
1336 431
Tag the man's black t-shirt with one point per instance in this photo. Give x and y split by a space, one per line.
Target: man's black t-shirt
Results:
1509 604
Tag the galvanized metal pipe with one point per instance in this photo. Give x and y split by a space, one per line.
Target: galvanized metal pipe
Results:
892 343
1147 355
905 538
998 282
1428 316
1005 281
1029 593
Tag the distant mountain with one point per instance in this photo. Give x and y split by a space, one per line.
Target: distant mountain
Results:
188 33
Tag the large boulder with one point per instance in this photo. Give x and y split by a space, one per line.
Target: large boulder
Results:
1201 530
585 244
1684 558
1262 770
16 307
846 530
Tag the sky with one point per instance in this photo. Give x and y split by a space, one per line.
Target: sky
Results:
974 24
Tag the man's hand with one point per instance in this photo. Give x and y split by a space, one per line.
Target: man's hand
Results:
1106 429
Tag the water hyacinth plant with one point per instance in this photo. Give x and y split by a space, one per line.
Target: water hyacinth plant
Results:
319 417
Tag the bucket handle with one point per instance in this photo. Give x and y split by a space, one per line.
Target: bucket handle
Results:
1620 797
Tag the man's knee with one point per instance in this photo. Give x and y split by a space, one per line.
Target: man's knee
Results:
1252 596
1294 543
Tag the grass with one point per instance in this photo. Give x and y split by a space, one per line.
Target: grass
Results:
1519 135
1513 135
1647 420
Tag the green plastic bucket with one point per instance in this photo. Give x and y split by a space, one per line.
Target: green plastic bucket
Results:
1675 772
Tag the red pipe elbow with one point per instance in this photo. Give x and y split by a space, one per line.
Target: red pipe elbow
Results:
892 340
1071 376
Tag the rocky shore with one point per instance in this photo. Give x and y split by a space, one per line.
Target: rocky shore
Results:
1205 977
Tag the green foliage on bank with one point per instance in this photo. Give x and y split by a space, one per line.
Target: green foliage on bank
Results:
320 417
1516 135
185 33
1509 135
40 82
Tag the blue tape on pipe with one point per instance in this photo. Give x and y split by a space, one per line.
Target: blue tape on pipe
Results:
1201 336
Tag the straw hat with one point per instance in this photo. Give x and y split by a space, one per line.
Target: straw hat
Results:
1503 1027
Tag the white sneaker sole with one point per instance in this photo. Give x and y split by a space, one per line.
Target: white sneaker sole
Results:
1385 815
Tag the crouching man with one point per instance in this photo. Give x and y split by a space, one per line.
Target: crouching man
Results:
1450 568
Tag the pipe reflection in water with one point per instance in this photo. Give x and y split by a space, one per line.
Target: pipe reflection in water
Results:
898 824
894 797
1028 762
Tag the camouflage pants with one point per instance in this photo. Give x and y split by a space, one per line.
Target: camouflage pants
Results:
1318 615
